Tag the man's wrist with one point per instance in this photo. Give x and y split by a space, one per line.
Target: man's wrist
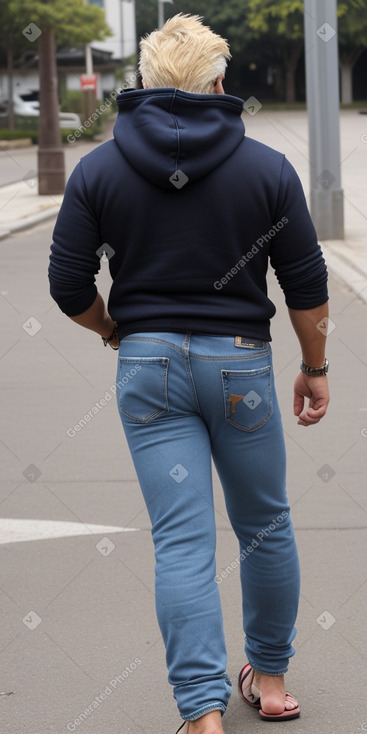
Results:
111 336
107 327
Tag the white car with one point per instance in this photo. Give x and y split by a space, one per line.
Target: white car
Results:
26 103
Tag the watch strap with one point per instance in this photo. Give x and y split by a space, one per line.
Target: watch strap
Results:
314 371
109 339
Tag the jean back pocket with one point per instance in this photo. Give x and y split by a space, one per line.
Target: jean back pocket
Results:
247 397
142 387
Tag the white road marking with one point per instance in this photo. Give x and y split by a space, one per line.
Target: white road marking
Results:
14 530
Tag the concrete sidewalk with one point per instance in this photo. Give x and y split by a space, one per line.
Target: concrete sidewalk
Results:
21 207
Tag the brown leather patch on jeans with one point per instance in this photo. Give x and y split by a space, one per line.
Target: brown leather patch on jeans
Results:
234 400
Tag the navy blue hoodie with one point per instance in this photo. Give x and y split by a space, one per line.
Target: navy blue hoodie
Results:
189 211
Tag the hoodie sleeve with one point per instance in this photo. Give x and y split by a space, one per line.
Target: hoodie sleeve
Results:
74 260
295 253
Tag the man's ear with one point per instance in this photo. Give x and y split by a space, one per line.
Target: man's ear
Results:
144 84
218 86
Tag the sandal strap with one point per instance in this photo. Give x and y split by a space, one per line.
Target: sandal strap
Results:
250 670
247 694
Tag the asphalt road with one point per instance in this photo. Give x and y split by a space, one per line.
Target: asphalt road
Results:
78 626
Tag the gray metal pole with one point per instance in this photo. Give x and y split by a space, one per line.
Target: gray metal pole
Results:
160 14
322 84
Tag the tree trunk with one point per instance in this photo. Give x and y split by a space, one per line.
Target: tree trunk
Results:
347 63
291 83
291 59
347 82
51 165
10 71
279 82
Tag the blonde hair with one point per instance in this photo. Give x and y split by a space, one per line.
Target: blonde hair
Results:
184 54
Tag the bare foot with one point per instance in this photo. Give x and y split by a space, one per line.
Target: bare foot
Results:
271 691
210 723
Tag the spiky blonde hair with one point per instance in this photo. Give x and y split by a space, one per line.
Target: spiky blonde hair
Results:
184 54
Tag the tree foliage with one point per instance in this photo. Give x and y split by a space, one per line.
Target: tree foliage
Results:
280 26
228 19
9 25
283 19
73 21
352 28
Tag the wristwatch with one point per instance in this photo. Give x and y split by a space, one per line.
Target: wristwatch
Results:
314 371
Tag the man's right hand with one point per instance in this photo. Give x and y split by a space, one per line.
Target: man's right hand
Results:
316 389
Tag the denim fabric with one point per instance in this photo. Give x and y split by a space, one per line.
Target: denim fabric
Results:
184 398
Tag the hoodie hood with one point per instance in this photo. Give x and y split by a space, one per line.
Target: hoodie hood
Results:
172 137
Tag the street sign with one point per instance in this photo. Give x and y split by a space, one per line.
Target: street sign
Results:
88 82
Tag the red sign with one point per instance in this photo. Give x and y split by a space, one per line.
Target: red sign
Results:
89 81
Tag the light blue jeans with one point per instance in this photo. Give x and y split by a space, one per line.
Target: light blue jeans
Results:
184 398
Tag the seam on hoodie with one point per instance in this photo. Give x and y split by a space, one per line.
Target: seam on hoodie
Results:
86 192
279 185
177 130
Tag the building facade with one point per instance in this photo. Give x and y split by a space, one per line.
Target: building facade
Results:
109 57
120 16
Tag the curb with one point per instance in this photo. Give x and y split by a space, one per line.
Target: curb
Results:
29 222
15 144
346 271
